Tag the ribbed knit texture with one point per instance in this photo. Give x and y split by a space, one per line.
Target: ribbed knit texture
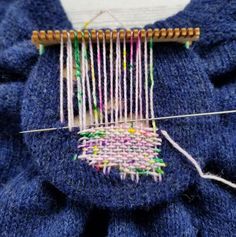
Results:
44 193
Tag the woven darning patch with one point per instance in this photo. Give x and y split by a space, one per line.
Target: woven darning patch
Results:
134 151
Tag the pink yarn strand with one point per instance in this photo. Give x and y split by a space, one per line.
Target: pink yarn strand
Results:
99 80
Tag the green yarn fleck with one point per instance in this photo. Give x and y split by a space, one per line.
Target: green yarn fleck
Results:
97 134
77 66
74 157
158 160
141 171
41 49
157 150
159 170
77 56
151 43
187 45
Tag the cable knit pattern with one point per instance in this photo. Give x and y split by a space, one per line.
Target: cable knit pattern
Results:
44 193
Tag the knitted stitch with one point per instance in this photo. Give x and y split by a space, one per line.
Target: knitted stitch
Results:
43 192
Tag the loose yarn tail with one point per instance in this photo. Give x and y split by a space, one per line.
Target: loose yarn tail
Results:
195 163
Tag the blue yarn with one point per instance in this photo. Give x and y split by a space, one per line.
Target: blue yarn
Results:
44 193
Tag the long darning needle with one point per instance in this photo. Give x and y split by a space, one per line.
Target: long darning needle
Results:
130 121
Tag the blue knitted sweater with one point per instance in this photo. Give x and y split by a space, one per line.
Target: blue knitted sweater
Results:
44 193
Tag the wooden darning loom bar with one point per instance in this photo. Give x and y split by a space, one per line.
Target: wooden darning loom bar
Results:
180 35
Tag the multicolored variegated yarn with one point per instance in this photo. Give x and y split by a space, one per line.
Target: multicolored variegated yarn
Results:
134 151
112 106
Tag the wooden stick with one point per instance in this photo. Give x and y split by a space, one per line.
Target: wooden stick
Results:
180 35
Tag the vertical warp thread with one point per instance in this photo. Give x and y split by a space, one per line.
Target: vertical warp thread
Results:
151 93
120 81
88 83
111 76
146 80
61 80
83 70
125 77
105 78
99 79
140 76
116 80
131 75
70 83
95 108
137 82
78 79
152 84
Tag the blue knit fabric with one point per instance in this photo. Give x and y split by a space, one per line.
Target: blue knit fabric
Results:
44 193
